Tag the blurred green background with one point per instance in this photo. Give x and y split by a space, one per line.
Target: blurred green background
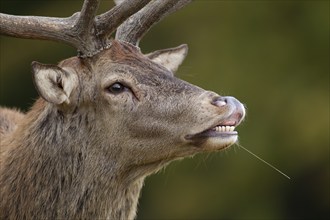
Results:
271 55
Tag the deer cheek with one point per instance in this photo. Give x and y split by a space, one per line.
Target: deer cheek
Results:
120 103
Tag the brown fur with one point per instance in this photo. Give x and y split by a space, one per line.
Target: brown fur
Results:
9 120
87 158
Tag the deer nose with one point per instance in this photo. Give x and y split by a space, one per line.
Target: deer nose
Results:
219 101
239 110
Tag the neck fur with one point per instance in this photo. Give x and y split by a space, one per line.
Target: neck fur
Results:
65 173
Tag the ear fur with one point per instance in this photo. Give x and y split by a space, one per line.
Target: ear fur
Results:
170 58
53 83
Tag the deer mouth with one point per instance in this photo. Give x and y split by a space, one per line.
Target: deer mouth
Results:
215 131
220 130
217 137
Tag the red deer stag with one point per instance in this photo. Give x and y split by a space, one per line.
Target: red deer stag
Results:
106 119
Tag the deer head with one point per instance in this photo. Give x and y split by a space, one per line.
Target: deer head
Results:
108 117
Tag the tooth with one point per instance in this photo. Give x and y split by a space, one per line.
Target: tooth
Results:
232 128
227 128
217 128
222 128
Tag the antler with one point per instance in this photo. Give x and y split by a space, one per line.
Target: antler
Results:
138 24
74 30
87 32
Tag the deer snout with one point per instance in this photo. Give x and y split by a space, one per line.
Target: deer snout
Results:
238 112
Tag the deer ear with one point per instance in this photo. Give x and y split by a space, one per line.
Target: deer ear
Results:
170 58
53 83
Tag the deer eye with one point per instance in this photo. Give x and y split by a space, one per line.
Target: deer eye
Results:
117 88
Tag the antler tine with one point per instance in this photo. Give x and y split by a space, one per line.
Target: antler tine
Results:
108 22
74 30
138 24
87 15
36 27
84 26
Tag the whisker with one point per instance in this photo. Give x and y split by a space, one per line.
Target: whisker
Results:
263 161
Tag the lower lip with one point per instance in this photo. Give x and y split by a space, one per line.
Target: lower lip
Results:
212 134
222 134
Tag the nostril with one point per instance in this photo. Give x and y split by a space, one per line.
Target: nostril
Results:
219 101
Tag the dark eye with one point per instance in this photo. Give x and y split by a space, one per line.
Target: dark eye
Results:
117 88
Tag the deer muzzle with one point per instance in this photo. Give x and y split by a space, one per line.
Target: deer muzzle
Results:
238 111
222 132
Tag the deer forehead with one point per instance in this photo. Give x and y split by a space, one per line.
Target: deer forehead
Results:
131 67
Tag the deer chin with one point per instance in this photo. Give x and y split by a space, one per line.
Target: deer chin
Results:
215 138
